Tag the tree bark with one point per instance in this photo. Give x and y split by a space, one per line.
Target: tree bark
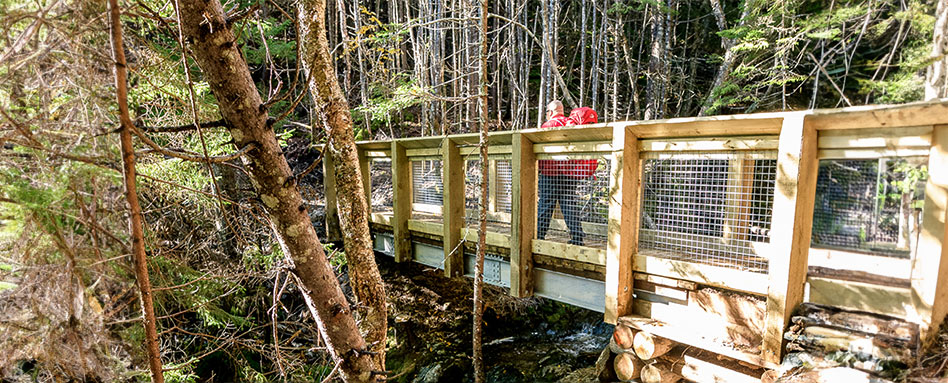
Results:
936 77
353 208
225 70
131 195
479 375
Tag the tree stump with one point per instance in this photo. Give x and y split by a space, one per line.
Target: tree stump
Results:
648 346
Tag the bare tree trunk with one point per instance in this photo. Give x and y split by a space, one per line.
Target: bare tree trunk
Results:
131 195
936 77
479 376
654 95
729 57
353 207
218 55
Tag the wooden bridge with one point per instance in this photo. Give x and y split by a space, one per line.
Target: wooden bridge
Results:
708 231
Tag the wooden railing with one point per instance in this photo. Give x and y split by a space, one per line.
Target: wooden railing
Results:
796 141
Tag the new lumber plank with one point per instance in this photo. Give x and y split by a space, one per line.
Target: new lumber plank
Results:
401 200
790 229
623 242
930 263
523 222
453 211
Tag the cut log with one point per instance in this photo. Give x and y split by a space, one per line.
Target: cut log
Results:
769 376
623 336
604 366
659 373
648 346
821 340
628 366
860 321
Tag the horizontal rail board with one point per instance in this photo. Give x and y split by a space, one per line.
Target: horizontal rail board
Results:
573 147
491 150
724 278
381 218
492 238
710 144
895 301
907 137
425 227
871 153
378 153
571 252
423 152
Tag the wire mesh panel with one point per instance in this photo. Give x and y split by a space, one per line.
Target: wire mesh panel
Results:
427 188
380 171
499 194
579 186
708 208
872 205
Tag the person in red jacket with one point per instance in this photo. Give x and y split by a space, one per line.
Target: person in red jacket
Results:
558 182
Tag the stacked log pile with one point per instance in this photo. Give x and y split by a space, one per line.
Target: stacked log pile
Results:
824 339
634 355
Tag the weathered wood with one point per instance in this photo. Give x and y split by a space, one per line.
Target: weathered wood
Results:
493 239
432 228
660 372
875 298
571 252
718 330
672 293
623 335
648 346
857 321
453 212
710 144
424 152
523 220
401 201
628 366
821 341
790 229
364 167
930 263
605 370
333 233
857 276
623 242
687 335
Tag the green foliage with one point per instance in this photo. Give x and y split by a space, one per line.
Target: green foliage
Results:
389 100
214 300
181 372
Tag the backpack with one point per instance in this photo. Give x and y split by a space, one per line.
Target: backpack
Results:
583 116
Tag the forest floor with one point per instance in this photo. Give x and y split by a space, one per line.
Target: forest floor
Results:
525 340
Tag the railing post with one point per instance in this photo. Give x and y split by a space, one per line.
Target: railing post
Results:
792 221
366 178
452 173
401 201
623 242
930 264
523 217
333 233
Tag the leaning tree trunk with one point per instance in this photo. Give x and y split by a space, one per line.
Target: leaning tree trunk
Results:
217 53
333 109
131 195
936 84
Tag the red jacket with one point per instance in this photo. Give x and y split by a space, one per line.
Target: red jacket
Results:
579 169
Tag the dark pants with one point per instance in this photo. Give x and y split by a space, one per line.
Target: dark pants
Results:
562 189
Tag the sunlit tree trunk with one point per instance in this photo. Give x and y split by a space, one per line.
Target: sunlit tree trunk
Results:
936 84
218 55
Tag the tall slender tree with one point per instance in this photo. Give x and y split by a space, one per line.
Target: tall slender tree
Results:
479 375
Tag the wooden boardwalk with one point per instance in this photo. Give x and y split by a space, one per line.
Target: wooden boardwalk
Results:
703 222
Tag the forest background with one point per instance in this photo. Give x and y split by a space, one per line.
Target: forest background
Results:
68 299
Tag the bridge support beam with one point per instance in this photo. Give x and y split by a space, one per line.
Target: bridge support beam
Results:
452 174
624 215
523 218
401 199
929 276
794 192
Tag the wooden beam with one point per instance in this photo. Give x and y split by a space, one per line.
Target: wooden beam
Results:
887 300
710 144
366 170
901 137
571 252
573 147
930 262
491 150
881 116
500 240
871 153
492 186
424 152
333 232
623 242
723 277
453 180
791 226
523 223
425 227
401 201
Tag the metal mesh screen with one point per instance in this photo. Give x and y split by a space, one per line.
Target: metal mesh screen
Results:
427 189
499 194
708 208
871 205
380 171
579 186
